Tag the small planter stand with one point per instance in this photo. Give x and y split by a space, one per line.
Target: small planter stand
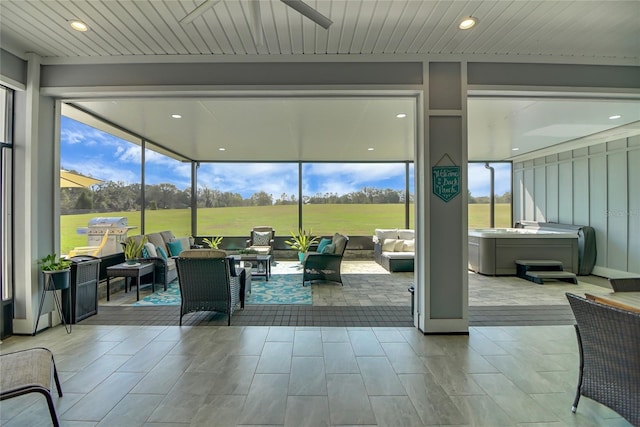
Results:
54 281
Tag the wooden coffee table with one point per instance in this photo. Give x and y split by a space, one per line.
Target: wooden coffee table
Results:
260 264
129 271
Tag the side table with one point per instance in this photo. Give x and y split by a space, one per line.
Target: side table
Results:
129 271
261 264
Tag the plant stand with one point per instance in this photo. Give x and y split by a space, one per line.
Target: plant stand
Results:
49 285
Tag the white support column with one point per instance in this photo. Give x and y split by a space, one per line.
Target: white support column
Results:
33 197
442 225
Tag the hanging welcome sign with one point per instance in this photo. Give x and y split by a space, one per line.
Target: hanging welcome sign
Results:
446 180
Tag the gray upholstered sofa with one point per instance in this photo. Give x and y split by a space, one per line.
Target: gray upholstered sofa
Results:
165 269
394 249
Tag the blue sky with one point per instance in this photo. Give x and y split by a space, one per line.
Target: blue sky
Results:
106 157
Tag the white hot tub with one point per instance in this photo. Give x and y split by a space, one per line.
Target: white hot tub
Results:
493 251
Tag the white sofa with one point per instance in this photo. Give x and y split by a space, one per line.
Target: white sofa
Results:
394 248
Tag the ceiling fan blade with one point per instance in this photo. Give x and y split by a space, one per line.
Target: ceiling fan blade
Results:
309 12
202 8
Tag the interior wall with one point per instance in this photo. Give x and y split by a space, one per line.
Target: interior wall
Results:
597 186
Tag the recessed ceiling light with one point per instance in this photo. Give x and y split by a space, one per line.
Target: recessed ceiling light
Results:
370 149
467 23
176 116
515 149
401 115
222 149
78 25
617 116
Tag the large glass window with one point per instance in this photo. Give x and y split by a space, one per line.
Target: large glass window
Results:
114 161
235 197
353 198
480 190
167 192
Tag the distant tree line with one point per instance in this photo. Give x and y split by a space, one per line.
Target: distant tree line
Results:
504 198
117 196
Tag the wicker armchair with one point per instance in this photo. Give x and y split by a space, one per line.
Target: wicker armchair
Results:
261 240
625 284
325 266
206 282
609 343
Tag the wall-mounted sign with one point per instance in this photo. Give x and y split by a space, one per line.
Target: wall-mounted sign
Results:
446 180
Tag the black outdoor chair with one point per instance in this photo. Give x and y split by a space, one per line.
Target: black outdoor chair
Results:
609 344
325 266
625 284
206 283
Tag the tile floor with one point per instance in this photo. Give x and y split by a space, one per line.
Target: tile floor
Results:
156 374
309 376
371 296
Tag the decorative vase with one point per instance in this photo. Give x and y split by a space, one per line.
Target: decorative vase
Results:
131 261
301 256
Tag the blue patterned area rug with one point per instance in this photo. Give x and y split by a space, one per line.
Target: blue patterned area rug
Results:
169 297
280 289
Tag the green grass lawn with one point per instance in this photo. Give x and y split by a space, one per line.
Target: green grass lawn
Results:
354 220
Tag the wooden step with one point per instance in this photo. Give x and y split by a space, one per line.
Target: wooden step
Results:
540 276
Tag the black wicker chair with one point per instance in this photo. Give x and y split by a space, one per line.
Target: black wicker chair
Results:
206 283
609 343
626 284
325 266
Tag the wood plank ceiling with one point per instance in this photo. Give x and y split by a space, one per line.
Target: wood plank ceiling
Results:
563 29
594 32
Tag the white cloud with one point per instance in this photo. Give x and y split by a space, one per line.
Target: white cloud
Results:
480 179
131 153
248 178
357 174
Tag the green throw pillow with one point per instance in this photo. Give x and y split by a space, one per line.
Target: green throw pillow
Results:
175 247
323 243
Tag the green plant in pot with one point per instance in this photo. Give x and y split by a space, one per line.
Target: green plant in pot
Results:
213 243
133 250
58 270
302 241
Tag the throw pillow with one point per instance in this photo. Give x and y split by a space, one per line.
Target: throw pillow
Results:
386 233
398 246
340 241
145 252
175 247
323 243
329 249
151 250
406 234
261 238
162 253
389 245
409 246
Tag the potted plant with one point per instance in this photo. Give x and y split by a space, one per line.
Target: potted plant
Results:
132 251
213 242
302 242
58 270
